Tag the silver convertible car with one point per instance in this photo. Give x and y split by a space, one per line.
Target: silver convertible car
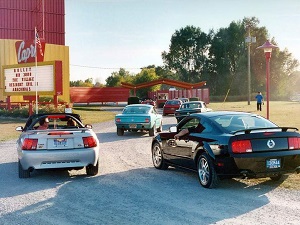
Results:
57 140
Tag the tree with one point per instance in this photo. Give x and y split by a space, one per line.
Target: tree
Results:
188 54
117 77
228 60
79 83
144 76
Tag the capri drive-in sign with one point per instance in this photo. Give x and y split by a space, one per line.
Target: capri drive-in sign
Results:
28 77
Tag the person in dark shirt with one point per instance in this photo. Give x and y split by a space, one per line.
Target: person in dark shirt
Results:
259 101
198 129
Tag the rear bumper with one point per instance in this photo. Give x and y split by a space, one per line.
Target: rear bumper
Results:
51 159
258 166
136 126
169 110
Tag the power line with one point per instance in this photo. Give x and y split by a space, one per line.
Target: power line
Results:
105 68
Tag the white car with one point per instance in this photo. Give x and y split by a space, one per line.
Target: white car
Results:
188 108
57 140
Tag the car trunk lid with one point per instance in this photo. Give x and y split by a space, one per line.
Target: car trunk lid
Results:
263 140
60 140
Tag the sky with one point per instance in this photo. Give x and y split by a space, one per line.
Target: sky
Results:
106 35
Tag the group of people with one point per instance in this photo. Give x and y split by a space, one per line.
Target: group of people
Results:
44 123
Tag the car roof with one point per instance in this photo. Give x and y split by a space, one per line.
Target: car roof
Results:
221 113
191 102
140 105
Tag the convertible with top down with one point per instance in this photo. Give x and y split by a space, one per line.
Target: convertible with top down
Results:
57 141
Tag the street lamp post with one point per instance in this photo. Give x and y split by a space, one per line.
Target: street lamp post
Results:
267 47
249 40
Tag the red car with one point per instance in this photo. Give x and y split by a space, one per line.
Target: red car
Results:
171 106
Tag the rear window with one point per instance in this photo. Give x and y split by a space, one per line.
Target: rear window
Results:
241 122
136 110
191 106
173 102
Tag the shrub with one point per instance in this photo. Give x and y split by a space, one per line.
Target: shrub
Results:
23 112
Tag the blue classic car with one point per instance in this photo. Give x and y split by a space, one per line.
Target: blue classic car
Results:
139 117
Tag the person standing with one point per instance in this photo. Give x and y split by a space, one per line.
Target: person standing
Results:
259 100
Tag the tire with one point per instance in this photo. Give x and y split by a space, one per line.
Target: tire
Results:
92 170
120 131
160 127
157 157
152 131
207 175
23 173
277 177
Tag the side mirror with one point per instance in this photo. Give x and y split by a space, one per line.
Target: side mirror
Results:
173 129
19 128
89 126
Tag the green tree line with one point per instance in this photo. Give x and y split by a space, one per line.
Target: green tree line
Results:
220 58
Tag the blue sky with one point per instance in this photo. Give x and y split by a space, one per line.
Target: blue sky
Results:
104 35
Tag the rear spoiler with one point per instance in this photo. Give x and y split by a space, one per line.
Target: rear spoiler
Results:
283 129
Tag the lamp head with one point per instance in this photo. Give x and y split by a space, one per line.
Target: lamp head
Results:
267 46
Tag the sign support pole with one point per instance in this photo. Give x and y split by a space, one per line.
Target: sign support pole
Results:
36 83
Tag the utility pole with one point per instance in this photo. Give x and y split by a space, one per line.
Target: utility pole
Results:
249 40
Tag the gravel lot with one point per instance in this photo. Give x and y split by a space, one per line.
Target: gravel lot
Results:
129 190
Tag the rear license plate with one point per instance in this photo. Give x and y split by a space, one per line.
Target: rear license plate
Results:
273 163
60 142
132 126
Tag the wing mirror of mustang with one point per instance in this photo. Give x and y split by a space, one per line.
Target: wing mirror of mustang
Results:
173 129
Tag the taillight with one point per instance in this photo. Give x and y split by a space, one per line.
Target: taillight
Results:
29 144
241 146
118 120
89 142
294 142
147 120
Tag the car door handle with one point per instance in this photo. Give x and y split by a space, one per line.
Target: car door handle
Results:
171 143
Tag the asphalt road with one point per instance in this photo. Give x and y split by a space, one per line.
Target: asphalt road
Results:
129 190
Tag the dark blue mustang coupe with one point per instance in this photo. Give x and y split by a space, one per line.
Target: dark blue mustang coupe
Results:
231 144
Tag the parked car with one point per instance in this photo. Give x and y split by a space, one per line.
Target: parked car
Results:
184 100
139 117
188 108
171 106
57 140
149 102
232 144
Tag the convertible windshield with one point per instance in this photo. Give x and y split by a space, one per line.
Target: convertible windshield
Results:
136 110
234 123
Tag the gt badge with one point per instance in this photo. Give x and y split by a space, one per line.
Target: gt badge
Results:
271 143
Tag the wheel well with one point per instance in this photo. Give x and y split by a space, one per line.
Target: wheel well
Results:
200 150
